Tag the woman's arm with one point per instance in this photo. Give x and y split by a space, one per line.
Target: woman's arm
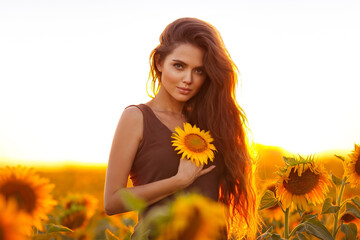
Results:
127 138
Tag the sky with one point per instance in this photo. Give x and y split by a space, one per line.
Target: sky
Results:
69 68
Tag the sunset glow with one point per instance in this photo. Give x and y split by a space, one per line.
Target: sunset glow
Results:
69 68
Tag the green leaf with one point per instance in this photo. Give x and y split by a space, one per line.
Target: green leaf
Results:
313 226
131 202
356 201
266 234
288 160
340 157
52 228
336 180
300 211
110 236
352 209
328 207
268 200
275 236
154 220
308 217
349 230
301 236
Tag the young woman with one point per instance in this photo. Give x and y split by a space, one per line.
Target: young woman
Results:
193 80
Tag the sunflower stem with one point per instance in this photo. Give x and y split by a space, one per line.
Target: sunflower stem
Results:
286 230
280 205
338 203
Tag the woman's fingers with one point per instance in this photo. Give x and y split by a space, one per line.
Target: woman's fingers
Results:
206 170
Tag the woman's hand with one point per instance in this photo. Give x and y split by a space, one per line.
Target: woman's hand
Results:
188 172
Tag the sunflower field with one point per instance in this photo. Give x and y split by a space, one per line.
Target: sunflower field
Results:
300 197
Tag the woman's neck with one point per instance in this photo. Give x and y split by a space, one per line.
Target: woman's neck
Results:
160 104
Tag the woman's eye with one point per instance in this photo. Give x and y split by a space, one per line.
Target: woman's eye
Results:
178 66
199 71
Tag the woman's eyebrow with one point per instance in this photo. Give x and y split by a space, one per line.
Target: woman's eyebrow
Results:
179 61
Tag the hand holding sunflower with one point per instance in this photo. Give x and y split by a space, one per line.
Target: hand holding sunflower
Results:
188 172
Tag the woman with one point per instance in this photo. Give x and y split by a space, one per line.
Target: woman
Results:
193 80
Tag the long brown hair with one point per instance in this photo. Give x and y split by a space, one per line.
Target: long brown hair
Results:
215 108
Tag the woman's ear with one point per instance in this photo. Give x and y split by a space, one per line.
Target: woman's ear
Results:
158 62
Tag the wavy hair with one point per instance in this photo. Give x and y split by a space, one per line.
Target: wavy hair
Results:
215 108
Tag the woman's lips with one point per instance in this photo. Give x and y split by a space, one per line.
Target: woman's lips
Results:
184 91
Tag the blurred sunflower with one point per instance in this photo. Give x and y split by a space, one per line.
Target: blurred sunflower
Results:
352 167
194 217
273 213
302 182
194 144
31 192
78 209
14 224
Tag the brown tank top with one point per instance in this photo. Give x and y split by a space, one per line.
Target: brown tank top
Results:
156 159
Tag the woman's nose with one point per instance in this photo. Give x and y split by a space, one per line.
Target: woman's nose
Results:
187 78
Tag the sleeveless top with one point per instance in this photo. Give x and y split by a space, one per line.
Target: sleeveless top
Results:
156 159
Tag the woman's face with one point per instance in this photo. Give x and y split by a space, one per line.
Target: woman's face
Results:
182 72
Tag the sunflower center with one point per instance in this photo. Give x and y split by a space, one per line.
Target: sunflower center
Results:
74 220
347 218
357 166
299 185
21 192
195 143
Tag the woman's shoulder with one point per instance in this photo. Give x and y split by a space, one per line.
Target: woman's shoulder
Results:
131 122
132 113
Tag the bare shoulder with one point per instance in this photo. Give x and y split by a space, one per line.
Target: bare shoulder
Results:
132 113
131 122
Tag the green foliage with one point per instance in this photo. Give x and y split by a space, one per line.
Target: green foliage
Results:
268 235
349 230
132 202
340 157
356 201
312 225
156 217
292 161
337 181
328 207
300 211
352 209
268 200
52 228
301 236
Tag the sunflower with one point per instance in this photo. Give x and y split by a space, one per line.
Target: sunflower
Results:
194 217
302 182
194 144
78 209
31 192
352 167
14 224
